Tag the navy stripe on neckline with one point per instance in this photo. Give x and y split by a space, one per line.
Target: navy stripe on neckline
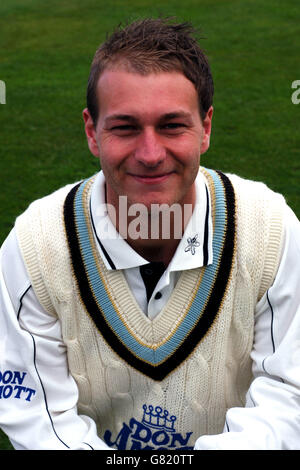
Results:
108 258
205 238
155 371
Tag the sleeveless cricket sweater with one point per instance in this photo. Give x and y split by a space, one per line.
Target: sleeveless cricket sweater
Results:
161 383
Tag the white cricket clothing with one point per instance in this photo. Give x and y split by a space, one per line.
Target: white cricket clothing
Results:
50 394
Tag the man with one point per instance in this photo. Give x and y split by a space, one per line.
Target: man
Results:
117 332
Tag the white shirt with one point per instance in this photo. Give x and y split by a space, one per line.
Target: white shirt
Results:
38 396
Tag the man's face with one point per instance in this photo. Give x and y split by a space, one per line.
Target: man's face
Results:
149 136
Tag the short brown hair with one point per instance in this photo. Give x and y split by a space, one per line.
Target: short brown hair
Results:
153 45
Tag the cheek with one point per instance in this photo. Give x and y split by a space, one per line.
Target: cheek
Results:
191 158
191 164
188 148
109 157
113 152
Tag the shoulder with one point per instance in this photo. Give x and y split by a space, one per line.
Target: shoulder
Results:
260 221
254 189
41 237
241 185
255 200
52 199
49 206
251 198
258 202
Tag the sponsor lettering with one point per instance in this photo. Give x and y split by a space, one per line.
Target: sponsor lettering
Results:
11 386
155 431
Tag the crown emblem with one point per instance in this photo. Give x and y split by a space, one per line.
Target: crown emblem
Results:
158 418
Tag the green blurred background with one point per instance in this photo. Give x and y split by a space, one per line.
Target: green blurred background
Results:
46 48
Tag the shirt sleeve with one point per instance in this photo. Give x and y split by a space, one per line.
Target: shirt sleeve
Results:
38 396
271 417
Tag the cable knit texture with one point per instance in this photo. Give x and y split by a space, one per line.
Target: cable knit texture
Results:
214 377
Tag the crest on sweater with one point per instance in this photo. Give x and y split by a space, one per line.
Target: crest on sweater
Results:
192 244
156 430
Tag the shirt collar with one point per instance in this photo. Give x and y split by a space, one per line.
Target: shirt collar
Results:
193 251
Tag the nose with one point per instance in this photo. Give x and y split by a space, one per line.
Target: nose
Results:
150 150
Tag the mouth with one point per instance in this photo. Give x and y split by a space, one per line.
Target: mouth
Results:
151 179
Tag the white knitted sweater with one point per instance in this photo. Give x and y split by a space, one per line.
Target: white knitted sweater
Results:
158 383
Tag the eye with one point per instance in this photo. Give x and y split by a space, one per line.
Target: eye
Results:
125 129
173 127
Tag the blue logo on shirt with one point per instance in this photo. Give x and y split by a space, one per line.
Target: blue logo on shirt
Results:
155 431
12 386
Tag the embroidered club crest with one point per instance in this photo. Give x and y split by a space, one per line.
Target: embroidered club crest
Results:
192 244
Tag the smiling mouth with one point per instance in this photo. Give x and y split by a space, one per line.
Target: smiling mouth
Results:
151 179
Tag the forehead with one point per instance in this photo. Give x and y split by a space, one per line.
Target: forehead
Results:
123 92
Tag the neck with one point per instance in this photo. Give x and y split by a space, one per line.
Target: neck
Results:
155 235
159 251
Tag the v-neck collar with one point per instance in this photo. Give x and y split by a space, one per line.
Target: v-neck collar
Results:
157 347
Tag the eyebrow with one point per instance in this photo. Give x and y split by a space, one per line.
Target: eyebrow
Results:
128 117
176 114
119 117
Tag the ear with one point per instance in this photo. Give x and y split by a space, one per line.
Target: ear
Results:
207 130
90 132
